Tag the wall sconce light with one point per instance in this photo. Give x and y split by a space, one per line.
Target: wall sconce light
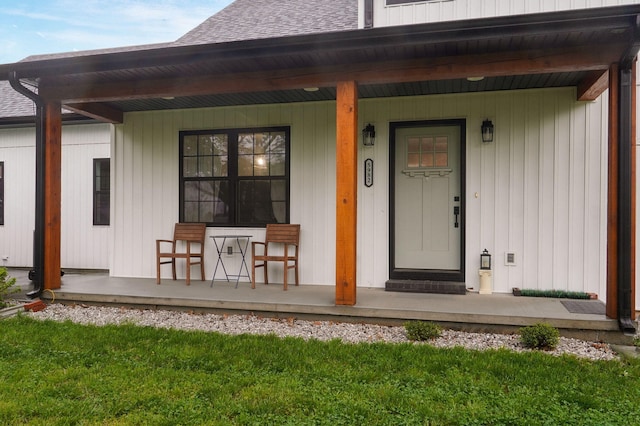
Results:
487 131
369 135
485 260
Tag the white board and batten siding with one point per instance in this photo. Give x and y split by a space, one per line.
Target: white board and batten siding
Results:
448 10
82 245
541 186
538 191
146 196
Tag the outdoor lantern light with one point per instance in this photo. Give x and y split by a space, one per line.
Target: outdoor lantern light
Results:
485 260
487 131
369 135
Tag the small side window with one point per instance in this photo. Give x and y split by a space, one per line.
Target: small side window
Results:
101 191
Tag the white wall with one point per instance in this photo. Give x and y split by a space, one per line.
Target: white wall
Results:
145 204
541 185
448 10
83 245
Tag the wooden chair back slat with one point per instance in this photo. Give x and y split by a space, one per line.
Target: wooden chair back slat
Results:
194 232
283 233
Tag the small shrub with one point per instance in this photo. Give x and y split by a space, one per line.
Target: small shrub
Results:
7 287
422 330
540 336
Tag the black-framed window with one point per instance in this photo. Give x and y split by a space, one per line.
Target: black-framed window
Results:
1 192
235 177
101 191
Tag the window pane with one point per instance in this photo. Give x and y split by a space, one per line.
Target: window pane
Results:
190 167
245 165
206 212
205 166
190 146
205 145
442 144
442 159
261 168
245 143
221 145
191 191
413 145
278 165
427 160
261 141
280 211
413 160
220 168
277 142
427 144
191 211
279 190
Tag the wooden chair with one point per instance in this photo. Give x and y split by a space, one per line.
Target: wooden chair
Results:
189 233
288 235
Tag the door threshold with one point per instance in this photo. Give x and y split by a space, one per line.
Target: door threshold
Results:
426 286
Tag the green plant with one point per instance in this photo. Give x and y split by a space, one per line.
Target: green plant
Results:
422 330
540 336
7 287
636 341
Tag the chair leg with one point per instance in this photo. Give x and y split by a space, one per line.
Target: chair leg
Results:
202 269
188 270
173 268
158 271
266 273
253 273
296 270
286 273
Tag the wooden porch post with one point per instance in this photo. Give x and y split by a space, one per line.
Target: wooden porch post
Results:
621 211
346 191
52 194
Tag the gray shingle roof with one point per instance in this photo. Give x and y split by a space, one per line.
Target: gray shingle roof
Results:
259 19
241 20
13 104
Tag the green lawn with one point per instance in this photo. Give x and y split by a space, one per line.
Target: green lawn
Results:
64 373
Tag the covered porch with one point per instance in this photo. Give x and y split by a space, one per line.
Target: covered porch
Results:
591 50
501 313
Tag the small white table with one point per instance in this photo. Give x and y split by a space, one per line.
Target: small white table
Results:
220 241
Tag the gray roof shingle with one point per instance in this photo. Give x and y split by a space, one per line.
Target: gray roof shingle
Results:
260 19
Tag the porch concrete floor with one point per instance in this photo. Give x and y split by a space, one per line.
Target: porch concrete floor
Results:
502 313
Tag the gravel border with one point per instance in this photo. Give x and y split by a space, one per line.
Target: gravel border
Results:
290 327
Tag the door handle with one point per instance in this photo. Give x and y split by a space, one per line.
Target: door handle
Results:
456 213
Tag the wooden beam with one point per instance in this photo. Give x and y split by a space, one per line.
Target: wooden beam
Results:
87 89
593 85
99 111
346 191
612 202
52 194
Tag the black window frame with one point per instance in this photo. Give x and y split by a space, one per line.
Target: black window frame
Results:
1 192
101 193
233 179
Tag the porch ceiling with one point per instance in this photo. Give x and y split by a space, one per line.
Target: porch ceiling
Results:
557 49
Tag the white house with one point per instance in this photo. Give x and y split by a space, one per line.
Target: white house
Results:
257 121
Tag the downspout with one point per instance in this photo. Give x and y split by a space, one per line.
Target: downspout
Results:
38 236
625 199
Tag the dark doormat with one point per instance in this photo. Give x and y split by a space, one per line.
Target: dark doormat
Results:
595 307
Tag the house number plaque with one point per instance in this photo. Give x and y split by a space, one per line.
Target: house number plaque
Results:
368 172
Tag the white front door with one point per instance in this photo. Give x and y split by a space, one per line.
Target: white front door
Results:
427 200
